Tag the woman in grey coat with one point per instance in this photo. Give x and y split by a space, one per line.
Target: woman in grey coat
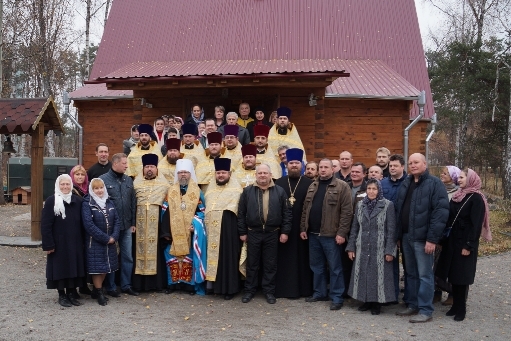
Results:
372 247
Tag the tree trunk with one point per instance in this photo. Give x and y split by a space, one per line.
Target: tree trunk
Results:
107 8
507 183
87 37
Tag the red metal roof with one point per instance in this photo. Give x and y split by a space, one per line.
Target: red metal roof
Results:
371 79
99 91
22 115
198 30
224 67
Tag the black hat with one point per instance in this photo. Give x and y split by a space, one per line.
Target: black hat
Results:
214 137
150 159
231 130
249 149
190 129
145 129
173 143
222 164
284 111
294 154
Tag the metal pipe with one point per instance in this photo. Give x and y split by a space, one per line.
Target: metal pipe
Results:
421 101
433 124
66 101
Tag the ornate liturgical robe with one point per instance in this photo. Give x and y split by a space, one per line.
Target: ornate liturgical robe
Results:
135 158
291 139
150 196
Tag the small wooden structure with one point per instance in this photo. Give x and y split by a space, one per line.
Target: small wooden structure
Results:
33 116
22 195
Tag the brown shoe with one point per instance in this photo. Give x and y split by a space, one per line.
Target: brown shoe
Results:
448 301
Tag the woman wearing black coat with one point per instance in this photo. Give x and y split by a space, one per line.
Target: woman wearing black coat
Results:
102 228
62 239
468 216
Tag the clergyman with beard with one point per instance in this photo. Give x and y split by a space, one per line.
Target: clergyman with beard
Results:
183 230
294 276
150 190
144 146
263 214
224 245
167 165
245 174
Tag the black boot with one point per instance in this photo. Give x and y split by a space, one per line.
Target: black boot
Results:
460 299
85 290
63 300
375 308
100 296
72 297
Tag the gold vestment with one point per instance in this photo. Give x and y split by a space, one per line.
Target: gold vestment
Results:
135 158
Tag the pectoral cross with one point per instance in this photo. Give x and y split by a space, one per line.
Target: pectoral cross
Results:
292 200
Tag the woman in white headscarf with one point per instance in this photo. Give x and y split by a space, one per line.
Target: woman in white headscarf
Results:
102 227
62 239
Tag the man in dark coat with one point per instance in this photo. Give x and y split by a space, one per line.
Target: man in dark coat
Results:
103 165
422 210
263 210
294 276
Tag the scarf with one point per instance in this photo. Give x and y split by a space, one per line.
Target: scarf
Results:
473 185
60 197
371 204
454 173
159 140
81 187
197 120
101 201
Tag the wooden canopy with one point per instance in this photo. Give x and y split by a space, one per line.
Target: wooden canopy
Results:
35 117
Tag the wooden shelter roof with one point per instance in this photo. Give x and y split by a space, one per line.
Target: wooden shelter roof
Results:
22 115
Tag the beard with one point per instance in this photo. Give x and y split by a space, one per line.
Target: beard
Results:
222 182
183 182
149 176
293 173
172 160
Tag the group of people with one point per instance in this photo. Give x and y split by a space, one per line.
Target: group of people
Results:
208 214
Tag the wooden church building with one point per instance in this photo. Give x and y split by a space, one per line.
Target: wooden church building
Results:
361 61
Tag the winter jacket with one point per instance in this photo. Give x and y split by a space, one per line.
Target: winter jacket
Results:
121 193
99 226
250 210
390 187
337 209
65 236
429 208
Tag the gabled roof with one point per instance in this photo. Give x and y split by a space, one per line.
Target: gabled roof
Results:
22 115
216 30
99 91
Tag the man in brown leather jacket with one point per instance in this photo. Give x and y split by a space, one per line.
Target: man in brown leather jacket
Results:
326 219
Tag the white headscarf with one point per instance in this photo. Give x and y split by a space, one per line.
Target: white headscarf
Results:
101 201
184 165
60 197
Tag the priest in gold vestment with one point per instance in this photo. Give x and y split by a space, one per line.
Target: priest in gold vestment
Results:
265 154
284 132
183 229
150 190
191 146
232 145
224 245
144 146
246 173
167 165
206 168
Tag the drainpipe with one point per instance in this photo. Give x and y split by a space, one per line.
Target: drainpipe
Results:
421 101
66 101
433 124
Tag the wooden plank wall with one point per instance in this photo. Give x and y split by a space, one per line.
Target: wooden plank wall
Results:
333 125
363 126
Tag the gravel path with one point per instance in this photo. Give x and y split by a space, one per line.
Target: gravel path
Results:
28 311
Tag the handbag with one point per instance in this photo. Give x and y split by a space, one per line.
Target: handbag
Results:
447 230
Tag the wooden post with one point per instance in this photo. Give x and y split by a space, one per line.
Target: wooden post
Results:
36 181
319 129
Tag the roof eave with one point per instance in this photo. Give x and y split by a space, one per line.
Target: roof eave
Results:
99 98
365 96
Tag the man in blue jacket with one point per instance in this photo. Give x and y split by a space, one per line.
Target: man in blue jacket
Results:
390 188
422 212
120 190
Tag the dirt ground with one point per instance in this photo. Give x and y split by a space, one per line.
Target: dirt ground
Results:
28 311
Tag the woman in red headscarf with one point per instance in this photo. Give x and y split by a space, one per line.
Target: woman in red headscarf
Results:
80 180
469 219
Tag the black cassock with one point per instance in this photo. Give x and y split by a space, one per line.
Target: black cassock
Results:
156 282
228 275
294 276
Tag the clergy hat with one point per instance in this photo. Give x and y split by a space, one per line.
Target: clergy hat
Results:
150 159
215 137
294 154
249 149
259 109
222 164
189 129
261 130
231 130
284 111
173 143
184 165
145 129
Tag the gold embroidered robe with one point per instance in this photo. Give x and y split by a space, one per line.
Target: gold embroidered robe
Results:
150 196
291 139
135 158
